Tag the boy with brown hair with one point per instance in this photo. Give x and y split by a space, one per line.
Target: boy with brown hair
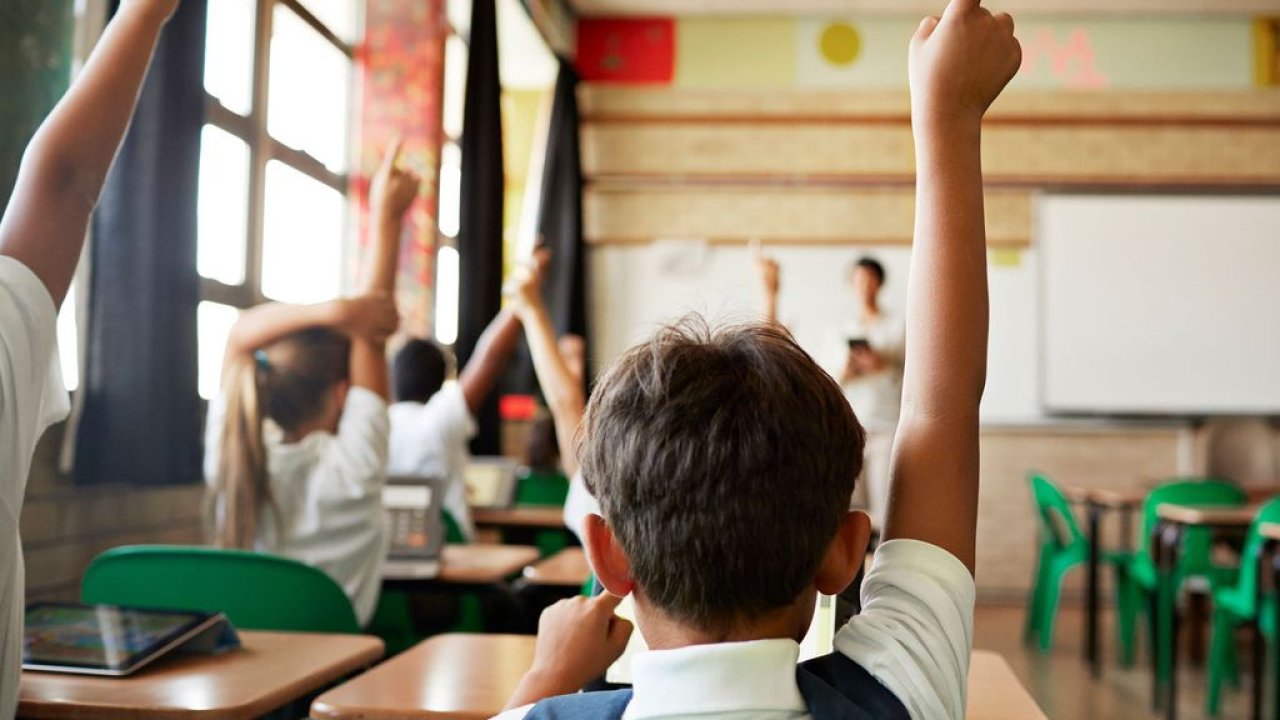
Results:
724 462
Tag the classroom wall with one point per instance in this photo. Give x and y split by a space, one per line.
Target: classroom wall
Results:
701 134
64 525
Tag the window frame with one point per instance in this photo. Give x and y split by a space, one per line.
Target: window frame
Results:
263 148
444 240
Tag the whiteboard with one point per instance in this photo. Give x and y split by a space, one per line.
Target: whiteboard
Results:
635 289
1160 304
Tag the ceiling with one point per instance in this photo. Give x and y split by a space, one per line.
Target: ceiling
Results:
920 7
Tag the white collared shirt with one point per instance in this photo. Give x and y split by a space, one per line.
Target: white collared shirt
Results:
430 440
876 398
328 489
914 635
32 397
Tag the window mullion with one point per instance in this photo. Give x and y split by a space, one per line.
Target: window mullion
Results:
259 149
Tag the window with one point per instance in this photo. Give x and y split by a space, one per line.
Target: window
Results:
274 156
449 187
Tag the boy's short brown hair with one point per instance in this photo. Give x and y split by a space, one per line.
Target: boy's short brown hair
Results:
724 462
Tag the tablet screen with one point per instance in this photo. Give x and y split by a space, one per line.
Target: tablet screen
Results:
100 636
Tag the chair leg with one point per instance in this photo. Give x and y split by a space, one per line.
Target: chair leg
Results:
1222 653
1126 612
1049 608
1031 626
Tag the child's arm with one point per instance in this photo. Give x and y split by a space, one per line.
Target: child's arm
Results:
958 66
359 317
489 359
66 164
770 280
561 386
392 192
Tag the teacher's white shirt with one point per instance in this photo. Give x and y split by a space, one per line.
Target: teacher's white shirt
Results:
877 397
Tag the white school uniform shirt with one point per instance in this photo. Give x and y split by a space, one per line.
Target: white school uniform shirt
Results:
328 489
914 635
430 440
876 398
32 397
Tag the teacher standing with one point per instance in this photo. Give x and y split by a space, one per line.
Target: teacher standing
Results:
865 355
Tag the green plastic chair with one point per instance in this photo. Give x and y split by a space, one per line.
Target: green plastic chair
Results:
1235 605
256 591
1062 547
546 489
1141 581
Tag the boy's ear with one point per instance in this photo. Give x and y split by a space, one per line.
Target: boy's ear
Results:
610 564
845 554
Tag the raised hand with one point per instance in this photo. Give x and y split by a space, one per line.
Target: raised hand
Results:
524 287
960 63
368 317
394 188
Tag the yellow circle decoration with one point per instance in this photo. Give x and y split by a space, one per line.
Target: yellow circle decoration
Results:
840 43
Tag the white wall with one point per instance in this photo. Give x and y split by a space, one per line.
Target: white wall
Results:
637 288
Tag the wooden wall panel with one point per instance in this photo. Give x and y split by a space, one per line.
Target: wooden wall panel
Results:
803 215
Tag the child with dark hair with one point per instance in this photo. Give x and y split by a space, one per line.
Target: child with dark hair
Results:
41 236
724 463
432 421
296 441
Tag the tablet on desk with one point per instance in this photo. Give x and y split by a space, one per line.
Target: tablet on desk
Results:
112 640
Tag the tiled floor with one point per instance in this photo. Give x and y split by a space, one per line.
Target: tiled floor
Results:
1060 681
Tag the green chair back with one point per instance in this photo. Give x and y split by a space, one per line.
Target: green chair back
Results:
256 591
1247 582
1057 522
1194 558
452 530
542 488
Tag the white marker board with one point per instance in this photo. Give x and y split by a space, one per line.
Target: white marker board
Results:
1160 305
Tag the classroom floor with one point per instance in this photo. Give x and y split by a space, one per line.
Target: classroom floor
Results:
1061 683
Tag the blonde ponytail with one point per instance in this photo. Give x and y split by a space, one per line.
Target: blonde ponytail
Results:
242 488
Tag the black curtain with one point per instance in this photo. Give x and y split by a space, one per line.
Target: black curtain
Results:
480 227
560 215
142 415
559 224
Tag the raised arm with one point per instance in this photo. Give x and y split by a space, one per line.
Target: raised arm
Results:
958 66
770 281
392 192
561 386
371 317
489 360
66 164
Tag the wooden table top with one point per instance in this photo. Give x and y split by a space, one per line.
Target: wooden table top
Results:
995 693
520 517
471 677
1269 530
1106 497
1218 516
483 564
271 670
568 568
455 676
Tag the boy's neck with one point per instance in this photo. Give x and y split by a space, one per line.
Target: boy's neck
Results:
661 632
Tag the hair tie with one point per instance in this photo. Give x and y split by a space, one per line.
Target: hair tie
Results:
260 357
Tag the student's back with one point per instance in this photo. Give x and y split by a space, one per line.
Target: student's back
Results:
724 463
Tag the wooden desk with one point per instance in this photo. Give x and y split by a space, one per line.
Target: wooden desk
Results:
483 564
1172 522
544 518
270 671
471 677
995 693
1097 502
567 568
458 677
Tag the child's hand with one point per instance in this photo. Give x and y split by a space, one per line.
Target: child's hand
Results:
578 639
524 287
770 272
394 188
368 317
959 64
